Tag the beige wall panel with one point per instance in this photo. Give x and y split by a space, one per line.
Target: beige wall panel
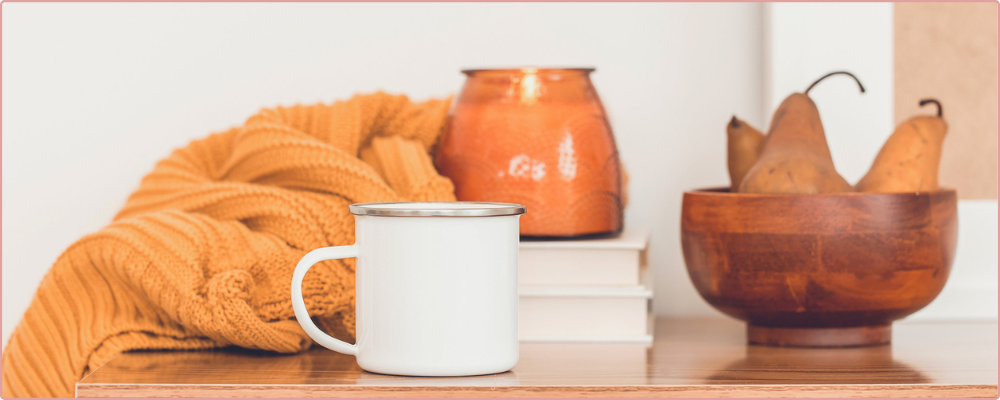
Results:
949 51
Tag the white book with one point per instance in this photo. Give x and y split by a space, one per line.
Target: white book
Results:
607 261
587 313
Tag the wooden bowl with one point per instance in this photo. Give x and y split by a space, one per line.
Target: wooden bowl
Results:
826 270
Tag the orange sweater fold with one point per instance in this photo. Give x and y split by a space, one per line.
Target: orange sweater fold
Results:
201 255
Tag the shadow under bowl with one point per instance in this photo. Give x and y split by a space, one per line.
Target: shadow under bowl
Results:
823 270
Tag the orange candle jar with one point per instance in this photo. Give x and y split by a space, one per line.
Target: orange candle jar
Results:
537 137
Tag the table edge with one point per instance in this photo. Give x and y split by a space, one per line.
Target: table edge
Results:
216 390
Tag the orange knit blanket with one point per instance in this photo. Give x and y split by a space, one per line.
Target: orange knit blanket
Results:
202 254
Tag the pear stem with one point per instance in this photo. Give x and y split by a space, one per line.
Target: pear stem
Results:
924 102
860 86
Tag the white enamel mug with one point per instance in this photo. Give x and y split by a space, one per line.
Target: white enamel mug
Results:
436 288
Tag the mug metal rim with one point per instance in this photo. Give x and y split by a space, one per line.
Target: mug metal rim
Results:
493 209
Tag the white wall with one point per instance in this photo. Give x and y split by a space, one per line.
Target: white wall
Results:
95 94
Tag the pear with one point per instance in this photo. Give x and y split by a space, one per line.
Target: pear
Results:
909 159
744 145
796 158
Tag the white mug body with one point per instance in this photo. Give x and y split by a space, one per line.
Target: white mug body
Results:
437 296
436 288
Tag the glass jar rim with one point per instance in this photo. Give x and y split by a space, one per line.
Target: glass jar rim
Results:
528 70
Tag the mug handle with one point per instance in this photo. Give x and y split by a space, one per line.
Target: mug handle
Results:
299 305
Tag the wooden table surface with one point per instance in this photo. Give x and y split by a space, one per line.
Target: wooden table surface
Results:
689 358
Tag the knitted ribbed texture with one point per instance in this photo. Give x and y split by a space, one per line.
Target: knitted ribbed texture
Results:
202 254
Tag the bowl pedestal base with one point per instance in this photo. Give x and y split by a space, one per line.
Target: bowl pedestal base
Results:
871 335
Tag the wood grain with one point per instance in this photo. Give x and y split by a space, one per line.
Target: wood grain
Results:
823 261
689 358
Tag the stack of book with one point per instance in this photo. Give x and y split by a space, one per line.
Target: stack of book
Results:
586 290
